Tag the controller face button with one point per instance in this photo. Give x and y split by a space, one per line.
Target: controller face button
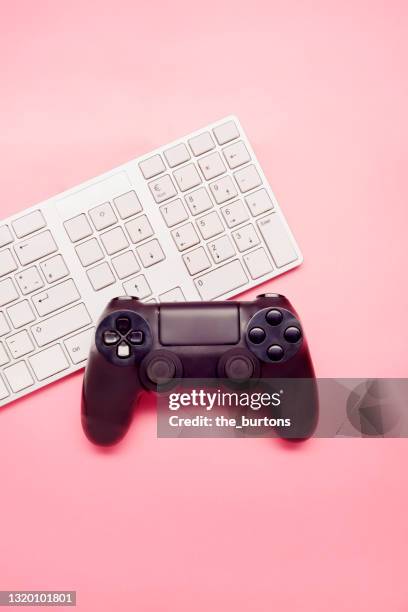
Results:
275 352
239 367
274 317
123 325
160 370
135 337
257 335
123 350
292 334
110 338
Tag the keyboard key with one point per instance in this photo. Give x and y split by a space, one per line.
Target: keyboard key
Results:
4 326
259 202
102 216
257 263
101 276
54 269
196 261
79 345
28 224
174 295
3 390
49 362
35 248
235 213
187 177
60 325
89 252
162 189
277 240
222 280
56 297
150 253
185 237
198 201
139 229
211 166
8 292
125 264
177 155
18 376
20 344
127 204
114 241
29 280
201 143
221 249
152 166
7 263
223 189
173 212
210 225
226 132
236 155
20 314
4 358
137 287
78 228
5 236
245 238
247 178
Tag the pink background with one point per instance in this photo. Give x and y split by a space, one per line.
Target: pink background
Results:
321 88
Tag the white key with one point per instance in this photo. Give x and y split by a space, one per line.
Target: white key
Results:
245 238
222 280
20 314
127 204
185 237
137 287
210 225
150 253
198 201
89 252
196 261
201 143
162 189
152 166
78 228
60 325
114 240
18 377
7 263
49 362
259 202
236 154
257 263
187 177
235 213
223 190
5 236
56 297
247 178
3 390
4 358
173 212
226 132
79 345
139 229
101 276
20 344
125 264
277 240
29 280
8 292
174 295
212 166
177 155
54 269
28 224
102 216
221 249
34 248
4 326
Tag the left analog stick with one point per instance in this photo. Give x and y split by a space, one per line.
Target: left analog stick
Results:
160 370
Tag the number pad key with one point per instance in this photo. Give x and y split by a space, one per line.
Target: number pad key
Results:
150 253
257 263
162 189
198 201
245 238
174 212
185 237
210 225
235 213
196 261
29 280
139 229
226 132
202 143
102 216
259 202
223 190
177 155
187 177
236 155
212 166
247 178
221 249
137 287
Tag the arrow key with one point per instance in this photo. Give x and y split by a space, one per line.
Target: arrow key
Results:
150 253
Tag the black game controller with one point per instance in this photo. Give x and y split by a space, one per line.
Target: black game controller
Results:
142 346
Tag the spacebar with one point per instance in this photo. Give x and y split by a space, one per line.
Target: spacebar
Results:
221 280
60 325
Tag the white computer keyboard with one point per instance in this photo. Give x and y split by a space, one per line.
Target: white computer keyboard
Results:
193 220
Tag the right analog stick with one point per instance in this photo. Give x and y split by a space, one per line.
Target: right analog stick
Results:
239 368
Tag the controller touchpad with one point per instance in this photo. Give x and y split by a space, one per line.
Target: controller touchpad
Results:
197 325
